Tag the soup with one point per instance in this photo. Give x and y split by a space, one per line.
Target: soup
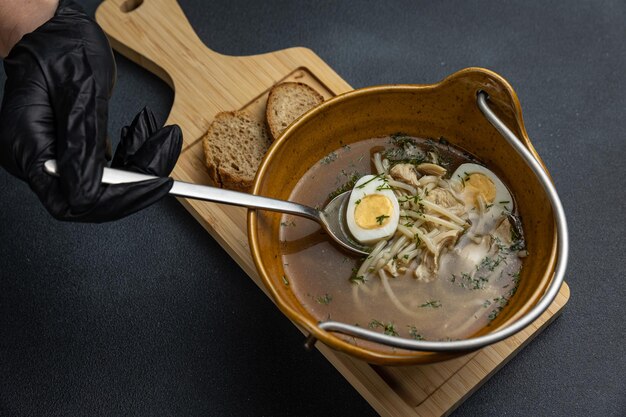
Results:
447 245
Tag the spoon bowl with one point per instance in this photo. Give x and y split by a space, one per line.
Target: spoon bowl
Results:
333 220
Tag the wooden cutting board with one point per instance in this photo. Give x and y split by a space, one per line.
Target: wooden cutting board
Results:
156 35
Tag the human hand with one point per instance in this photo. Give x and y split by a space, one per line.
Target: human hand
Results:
55 106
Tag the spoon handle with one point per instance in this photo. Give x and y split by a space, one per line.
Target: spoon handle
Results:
204 192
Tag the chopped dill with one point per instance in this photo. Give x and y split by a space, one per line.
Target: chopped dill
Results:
375 177
439 159
406 150
432 304
385 187
490 263
500 303
289 223
331 157
410 198
285 280
324 299
345 187
517 245
414 334
467 280
356 203
356 279
401 139
380 219
389 328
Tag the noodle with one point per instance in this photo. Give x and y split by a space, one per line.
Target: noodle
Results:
363 270
442 222
445 212
378 164
407 187
392 296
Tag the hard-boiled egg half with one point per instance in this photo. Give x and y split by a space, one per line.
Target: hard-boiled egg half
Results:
479 181
373 211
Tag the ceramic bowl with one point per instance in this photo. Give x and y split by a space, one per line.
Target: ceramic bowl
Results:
447 109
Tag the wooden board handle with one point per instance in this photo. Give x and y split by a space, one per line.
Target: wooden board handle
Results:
157 35
153 33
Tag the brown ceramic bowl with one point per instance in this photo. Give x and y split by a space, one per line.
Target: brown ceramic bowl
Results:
446 109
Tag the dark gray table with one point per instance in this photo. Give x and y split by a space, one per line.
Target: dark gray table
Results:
149 316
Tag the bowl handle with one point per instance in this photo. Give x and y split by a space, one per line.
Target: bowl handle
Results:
545 301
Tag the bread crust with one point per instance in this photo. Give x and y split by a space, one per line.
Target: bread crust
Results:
236 143
234 146
279 115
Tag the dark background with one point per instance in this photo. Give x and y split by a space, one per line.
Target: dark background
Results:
149 316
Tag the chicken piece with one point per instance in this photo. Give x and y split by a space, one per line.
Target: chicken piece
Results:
405 173
391 267
431 169
442 197
503 232
446 239
445 198
426 271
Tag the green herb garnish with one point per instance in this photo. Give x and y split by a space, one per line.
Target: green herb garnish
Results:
384 187
432 304
412 198
375 177
388 329
356 279
414 334
329 158
324 299
380 219
345 187
401 139
490 263
466 280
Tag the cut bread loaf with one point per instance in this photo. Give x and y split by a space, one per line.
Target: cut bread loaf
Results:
287 102
234 146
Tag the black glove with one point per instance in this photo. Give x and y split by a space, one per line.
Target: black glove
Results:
55 106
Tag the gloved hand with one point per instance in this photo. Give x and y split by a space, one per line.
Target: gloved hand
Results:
55 106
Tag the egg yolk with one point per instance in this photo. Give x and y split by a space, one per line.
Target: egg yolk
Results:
373 211
479 184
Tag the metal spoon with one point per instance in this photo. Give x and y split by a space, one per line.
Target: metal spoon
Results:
332 218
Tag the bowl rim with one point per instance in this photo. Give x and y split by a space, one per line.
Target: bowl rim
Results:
328 337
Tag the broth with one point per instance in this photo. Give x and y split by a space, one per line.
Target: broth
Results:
472 285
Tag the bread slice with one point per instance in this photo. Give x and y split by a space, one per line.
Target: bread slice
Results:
288 101
234 146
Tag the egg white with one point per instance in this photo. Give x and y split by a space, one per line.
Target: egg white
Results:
503 200
367 185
